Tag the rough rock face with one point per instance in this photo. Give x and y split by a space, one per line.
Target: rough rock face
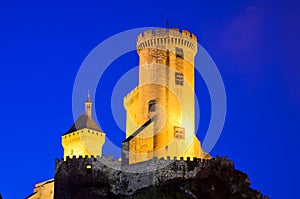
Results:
217 184
215 178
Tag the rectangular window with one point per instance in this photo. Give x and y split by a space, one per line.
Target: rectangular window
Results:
179 52
179 78
179 132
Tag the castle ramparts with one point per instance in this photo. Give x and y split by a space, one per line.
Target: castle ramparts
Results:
108 176
161 37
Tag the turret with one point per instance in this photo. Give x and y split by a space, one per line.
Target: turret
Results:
84 138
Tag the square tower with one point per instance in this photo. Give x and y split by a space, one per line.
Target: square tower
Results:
84 138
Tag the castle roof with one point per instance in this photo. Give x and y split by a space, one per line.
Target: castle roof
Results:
84 121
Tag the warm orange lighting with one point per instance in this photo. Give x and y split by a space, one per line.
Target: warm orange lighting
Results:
88 166
160 117
85 137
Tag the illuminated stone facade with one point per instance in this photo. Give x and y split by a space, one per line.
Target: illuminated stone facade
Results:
84 138
160 117
43 190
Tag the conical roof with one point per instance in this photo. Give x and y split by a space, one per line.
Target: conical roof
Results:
84 121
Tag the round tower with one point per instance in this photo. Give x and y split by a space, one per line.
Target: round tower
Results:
166 93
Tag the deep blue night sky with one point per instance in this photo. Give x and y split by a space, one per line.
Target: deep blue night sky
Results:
255 45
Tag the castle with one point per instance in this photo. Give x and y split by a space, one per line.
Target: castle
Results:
161 143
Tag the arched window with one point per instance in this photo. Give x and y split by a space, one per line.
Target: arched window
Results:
151 105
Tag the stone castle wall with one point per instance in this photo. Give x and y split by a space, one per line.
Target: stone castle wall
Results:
103 176
83 142
44 190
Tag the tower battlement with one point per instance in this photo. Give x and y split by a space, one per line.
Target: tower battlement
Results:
162 38
103 158
131 96
110 160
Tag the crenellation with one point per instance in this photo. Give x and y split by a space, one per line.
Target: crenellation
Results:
161 37
186 33
174 31
140 36
167 32
194 37
108 170
148 33
160 30
131 93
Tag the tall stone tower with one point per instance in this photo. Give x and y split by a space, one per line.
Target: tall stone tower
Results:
84 137
160 118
